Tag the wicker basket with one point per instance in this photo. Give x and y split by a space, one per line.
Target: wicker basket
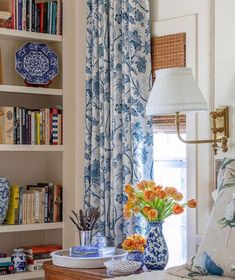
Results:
62 258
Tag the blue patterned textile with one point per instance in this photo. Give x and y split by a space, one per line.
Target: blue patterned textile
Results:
118 140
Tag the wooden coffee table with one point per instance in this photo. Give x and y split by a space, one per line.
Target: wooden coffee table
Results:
53 272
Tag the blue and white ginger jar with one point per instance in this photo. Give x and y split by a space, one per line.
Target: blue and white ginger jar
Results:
19 260
156 251
4 198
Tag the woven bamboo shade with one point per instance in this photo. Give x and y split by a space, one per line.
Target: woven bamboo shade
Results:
167 52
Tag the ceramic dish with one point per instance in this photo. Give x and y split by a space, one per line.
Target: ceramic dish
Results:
37 64
122 267
63 258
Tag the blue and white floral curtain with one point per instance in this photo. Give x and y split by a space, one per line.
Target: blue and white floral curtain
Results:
118 143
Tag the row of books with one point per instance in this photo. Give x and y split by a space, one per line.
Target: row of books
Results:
33 127
6 265
34 16
41 203
37 255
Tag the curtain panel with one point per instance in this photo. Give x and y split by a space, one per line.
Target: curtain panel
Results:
118 140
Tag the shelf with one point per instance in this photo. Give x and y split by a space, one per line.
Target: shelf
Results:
32 227
31 90
31 148
26 35
23 275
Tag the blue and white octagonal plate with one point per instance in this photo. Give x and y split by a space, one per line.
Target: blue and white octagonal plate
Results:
37 64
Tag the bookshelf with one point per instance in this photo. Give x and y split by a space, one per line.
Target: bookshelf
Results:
25 164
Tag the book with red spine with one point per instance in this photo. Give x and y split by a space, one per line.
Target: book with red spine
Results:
41 15
13 11
41 249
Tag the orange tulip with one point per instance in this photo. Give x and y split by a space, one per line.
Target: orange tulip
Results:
152 214
152 184
170 191
127 214
130 204
129 189
136 210
149 195
140 186
177 209
146 209
160 194
178 196
192 203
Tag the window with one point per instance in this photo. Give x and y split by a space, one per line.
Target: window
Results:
170 170
169 153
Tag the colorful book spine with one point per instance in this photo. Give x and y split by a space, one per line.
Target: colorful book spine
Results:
19 14
33 16
24 14
53 17
8 113
13 211
21 205
1 128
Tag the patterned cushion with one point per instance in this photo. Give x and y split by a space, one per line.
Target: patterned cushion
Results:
216 254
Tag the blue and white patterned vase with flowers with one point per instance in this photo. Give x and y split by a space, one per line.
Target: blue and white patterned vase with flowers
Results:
19 260
4 198
136 255
156 251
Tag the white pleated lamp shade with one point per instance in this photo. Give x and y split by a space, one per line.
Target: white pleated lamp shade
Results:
175 90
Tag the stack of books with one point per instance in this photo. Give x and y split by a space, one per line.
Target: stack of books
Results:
33 127
37 255
6 265
32 15
5 19
41 203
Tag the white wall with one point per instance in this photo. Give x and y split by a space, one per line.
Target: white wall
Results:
224 66
170 9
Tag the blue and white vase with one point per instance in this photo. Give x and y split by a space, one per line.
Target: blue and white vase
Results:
4 198
156 251
19 260
136 255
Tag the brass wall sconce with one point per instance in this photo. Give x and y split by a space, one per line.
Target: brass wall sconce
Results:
175 90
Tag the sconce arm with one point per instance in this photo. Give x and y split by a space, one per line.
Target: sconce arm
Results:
223 140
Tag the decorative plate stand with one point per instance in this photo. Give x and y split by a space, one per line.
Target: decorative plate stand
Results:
37 64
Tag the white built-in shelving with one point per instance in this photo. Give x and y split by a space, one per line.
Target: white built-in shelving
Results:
30 90
26 35
27 164
31 148
30 227
23 275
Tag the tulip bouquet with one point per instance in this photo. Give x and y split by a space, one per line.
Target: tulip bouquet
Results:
154 202
134 242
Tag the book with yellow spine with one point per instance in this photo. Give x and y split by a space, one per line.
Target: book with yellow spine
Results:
13 209
37 126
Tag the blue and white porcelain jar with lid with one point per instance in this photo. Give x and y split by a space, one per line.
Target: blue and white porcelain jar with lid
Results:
19 260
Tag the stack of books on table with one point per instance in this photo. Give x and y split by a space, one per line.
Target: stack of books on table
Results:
19 125
6 266
37 255
41 203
